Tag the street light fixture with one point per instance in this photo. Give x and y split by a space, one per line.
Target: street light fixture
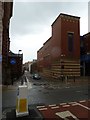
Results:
19 51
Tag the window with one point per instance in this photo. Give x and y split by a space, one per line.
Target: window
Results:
70 42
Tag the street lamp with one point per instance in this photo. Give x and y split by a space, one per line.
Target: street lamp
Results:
19 51
20 58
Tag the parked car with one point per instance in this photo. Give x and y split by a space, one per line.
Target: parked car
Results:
36 76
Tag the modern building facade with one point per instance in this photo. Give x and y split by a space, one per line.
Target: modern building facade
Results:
60 54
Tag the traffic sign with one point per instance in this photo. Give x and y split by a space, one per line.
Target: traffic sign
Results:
13 61
0 58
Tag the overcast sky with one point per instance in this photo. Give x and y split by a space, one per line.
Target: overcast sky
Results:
31 24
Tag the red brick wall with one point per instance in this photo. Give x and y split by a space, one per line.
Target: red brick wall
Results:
56 39
7 13
47 53
70 25
40 59
57 44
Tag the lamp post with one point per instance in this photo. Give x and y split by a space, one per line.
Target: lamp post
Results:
20 61
19 52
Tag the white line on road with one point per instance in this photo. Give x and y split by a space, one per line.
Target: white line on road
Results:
82 101
83 106
66 105
28 84
54 107
40 106
43 109
72 102
63 103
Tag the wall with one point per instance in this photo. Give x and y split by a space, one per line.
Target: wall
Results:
15 68
55 52
7 8
70 24
1 29
56 39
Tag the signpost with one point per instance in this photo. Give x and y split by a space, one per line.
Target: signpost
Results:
0 58
13 61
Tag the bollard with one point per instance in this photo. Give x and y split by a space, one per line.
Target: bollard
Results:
22 101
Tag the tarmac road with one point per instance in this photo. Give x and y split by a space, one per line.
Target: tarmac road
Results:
46 92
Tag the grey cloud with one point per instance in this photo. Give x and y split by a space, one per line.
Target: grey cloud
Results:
30 18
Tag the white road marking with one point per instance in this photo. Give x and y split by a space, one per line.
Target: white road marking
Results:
66 106
75 104
83 106
40 106
54 107
63 103
72 102
82 101
29 85
43 109
65 114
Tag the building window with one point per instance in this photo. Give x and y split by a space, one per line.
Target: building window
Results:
70 42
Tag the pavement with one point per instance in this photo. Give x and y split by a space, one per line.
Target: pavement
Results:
33 114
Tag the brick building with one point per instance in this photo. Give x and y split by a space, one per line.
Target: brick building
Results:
6 15
11 62
15 65
60 54
1 30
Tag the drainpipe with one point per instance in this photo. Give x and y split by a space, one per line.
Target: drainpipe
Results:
84 68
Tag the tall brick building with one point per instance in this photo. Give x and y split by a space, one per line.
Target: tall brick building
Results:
7 14
1 30
60 54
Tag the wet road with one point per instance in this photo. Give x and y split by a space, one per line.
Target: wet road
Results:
46 92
